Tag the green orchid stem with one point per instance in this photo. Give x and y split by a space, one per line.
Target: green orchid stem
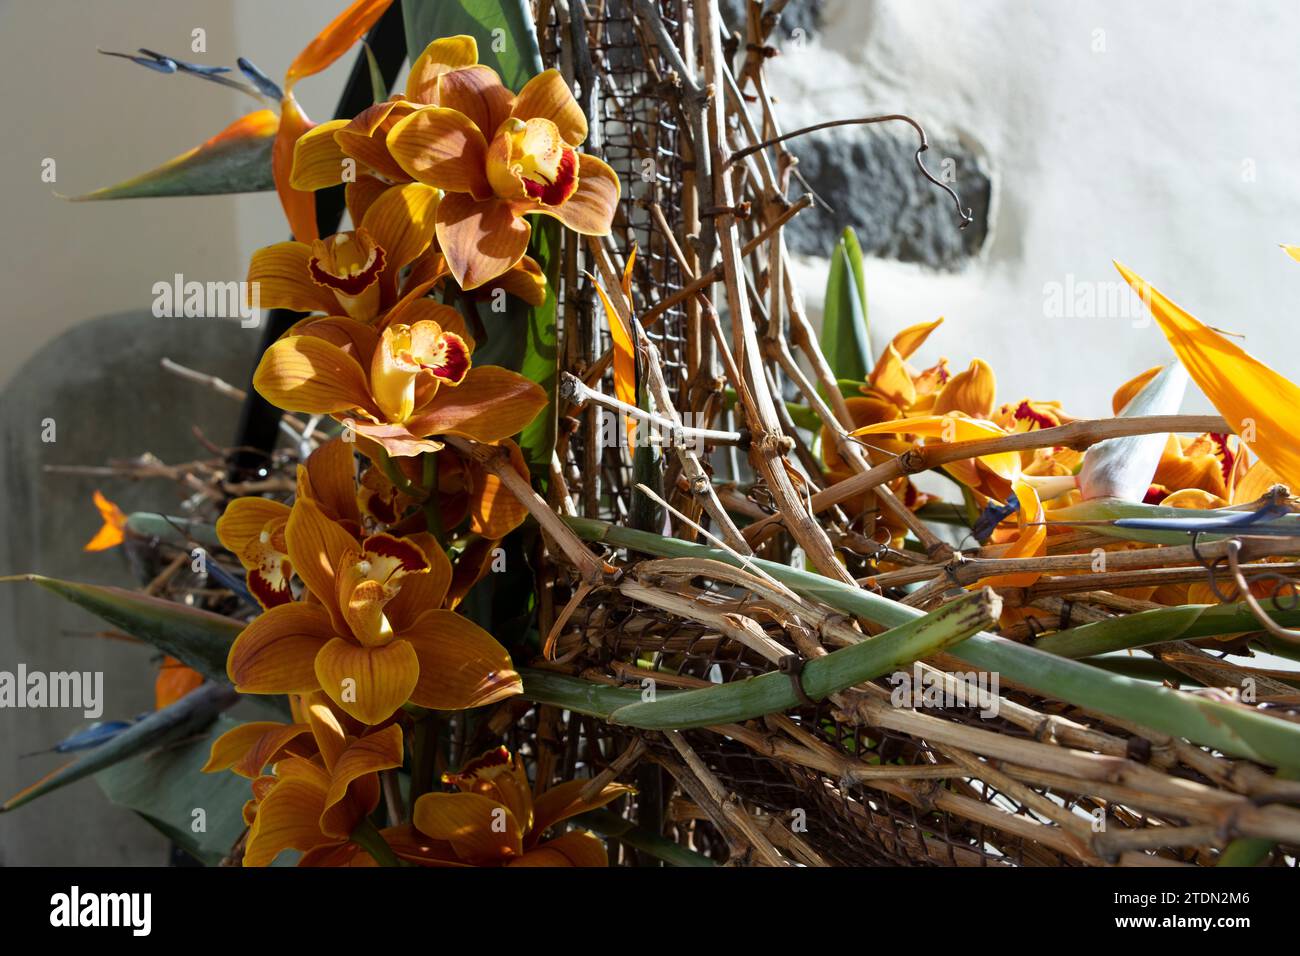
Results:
394 474
1226 727
424 753
372 841
432 512
613 827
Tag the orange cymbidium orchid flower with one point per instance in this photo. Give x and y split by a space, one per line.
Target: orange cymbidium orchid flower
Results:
499 157
370 633
253 528
1211 463
400 385
113 531
324 783
495 821
353 272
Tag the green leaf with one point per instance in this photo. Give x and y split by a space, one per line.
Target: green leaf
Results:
236 160
178 532
1185 623
187 716
613 827
844 339
378 88
198 639
167 786
507 40
541 350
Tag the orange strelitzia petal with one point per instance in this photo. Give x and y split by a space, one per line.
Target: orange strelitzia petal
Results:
1257 402
112 532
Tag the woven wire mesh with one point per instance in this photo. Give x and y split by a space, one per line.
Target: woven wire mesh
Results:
636 129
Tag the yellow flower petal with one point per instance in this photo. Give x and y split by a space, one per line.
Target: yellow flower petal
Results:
442 148
249 747
952 428
440 56
576 848
401 221
481 239
317 158
369 683
547 96
303 373
275 653
461 665
481 831
281 274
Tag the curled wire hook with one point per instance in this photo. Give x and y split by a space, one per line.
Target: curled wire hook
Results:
965 215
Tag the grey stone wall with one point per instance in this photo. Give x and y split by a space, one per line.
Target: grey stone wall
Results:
109 398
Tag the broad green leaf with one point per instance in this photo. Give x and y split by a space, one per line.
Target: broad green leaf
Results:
844 337
167 786
198 639
187 716
507 40
236 160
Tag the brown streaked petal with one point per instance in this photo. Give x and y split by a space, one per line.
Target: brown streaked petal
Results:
353 336
547 96
288 816
365 756
576 848
317 159
275 653
481 239
461 665
365 139
397 440
249 747
244 519
401 222
590 210
493 510
421 592
331 479
439 57
477 92
361 194
281 273
369 683
306 374
317 548
524 281
565 800
442 148
481 831
492 403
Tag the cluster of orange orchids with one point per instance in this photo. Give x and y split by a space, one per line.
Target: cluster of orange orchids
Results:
359 623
